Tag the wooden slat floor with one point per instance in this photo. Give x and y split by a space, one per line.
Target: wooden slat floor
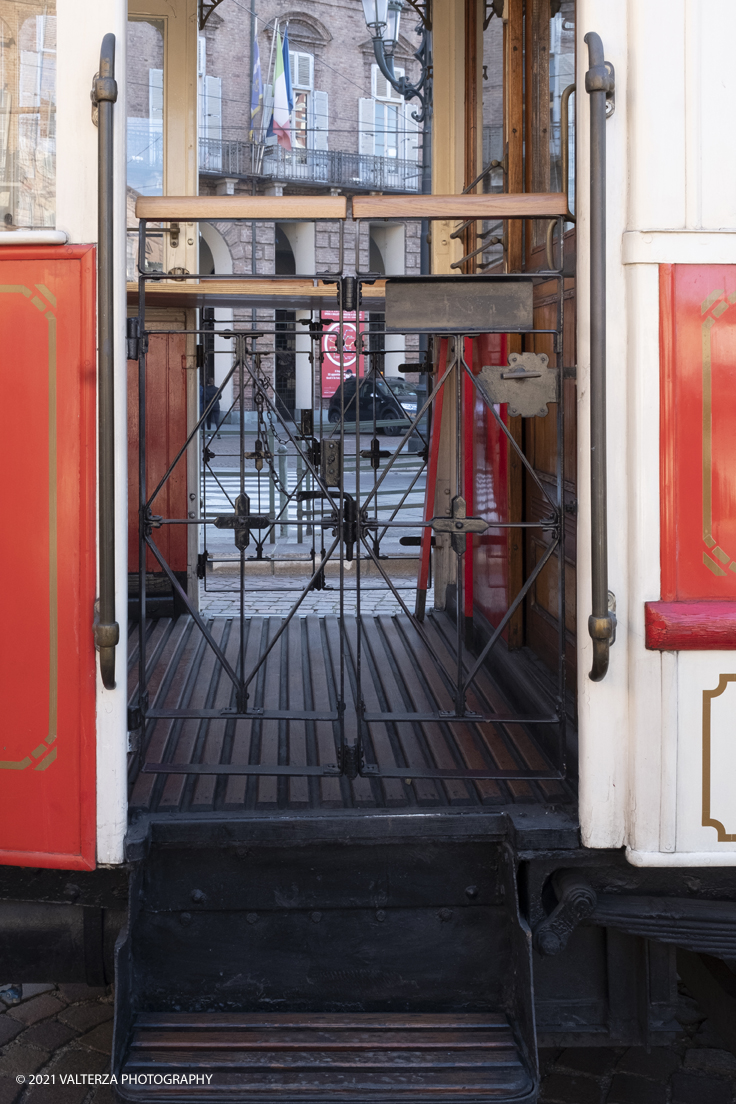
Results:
320 1057
303 673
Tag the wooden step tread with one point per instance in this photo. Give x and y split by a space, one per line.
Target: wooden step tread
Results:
325 1059
295 1058
324 1020
352 1039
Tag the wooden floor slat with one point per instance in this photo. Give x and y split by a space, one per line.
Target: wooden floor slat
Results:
398 674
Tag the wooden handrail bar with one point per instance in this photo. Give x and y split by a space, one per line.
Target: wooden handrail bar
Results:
490 206
195 208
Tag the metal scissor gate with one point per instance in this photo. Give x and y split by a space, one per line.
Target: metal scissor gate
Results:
332 509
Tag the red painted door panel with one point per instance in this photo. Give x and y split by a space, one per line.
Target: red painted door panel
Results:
697 460
47 557
166 432
699 431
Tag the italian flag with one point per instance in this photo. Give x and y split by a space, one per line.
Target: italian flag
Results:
281 106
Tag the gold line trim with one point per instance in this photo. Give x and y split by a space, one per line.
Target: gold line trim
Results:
708 821
712 565
53 541
710 300
45 291
17 289
22 764
47 761
708 325
707 460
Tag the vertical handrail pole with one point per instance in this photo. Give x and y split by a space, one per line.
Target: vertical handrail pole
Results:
599 84
104 94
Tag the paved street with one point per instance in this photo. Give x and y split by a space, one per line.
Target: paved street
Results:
67 1030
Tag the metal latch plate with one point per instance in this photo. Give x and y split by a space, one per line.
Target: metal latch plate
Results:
527 384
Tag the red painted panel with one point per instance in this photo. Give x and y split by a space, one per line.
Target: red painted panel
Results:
166 432
490 576
695 626
698 450
47 558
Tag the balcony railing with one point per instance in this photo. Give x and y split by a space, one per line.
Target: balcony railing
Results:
329 168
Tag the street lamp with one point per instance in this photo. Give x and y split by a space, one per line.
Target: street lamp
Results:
391 36
375 12
382 18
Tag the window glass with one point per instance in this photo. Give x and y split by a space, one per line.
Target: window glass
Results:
145 98
27 113
561 76
388 121
145 124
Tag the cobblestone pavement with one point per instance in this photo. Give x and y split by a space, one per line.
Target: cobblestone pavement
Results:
225 600
63 1031
67 1030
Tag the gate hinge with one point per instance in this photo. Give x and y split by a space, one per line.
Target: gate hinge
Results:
135 718
135 342
202 561
351 760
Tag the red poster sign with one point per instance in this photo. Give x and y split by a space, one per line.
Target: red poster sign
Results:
352 363
698 459
47 659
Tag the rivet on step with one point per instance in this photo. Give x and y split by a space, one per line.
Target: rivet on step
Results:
198 896
252 917
185 918
471 892
445 915
380 916
316 917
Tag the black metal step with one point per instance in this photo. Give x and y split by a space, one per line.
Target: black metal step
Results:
319 1056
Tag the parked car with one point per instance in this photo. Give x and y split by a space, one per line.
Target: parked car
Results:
393 400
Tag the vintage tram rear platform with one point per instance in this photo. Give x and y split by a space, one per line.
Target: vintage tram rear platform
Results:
201 755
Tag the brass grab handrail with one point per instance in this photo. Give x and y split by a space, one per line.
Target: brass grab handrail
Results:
104 95
600 85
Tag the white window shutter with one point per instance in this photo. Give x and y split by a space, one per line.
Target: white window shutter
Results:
156 95
380 87
305 71
320 120
365 125
201 55
213 86
409 148
301 69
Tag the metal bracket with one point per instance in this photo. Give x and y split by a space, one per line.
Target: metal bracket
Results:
602 78
206 8
375 454
330 462
349 526
104 89
528 384
259 454
576 900
348 294
242 521
458 525
350 761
